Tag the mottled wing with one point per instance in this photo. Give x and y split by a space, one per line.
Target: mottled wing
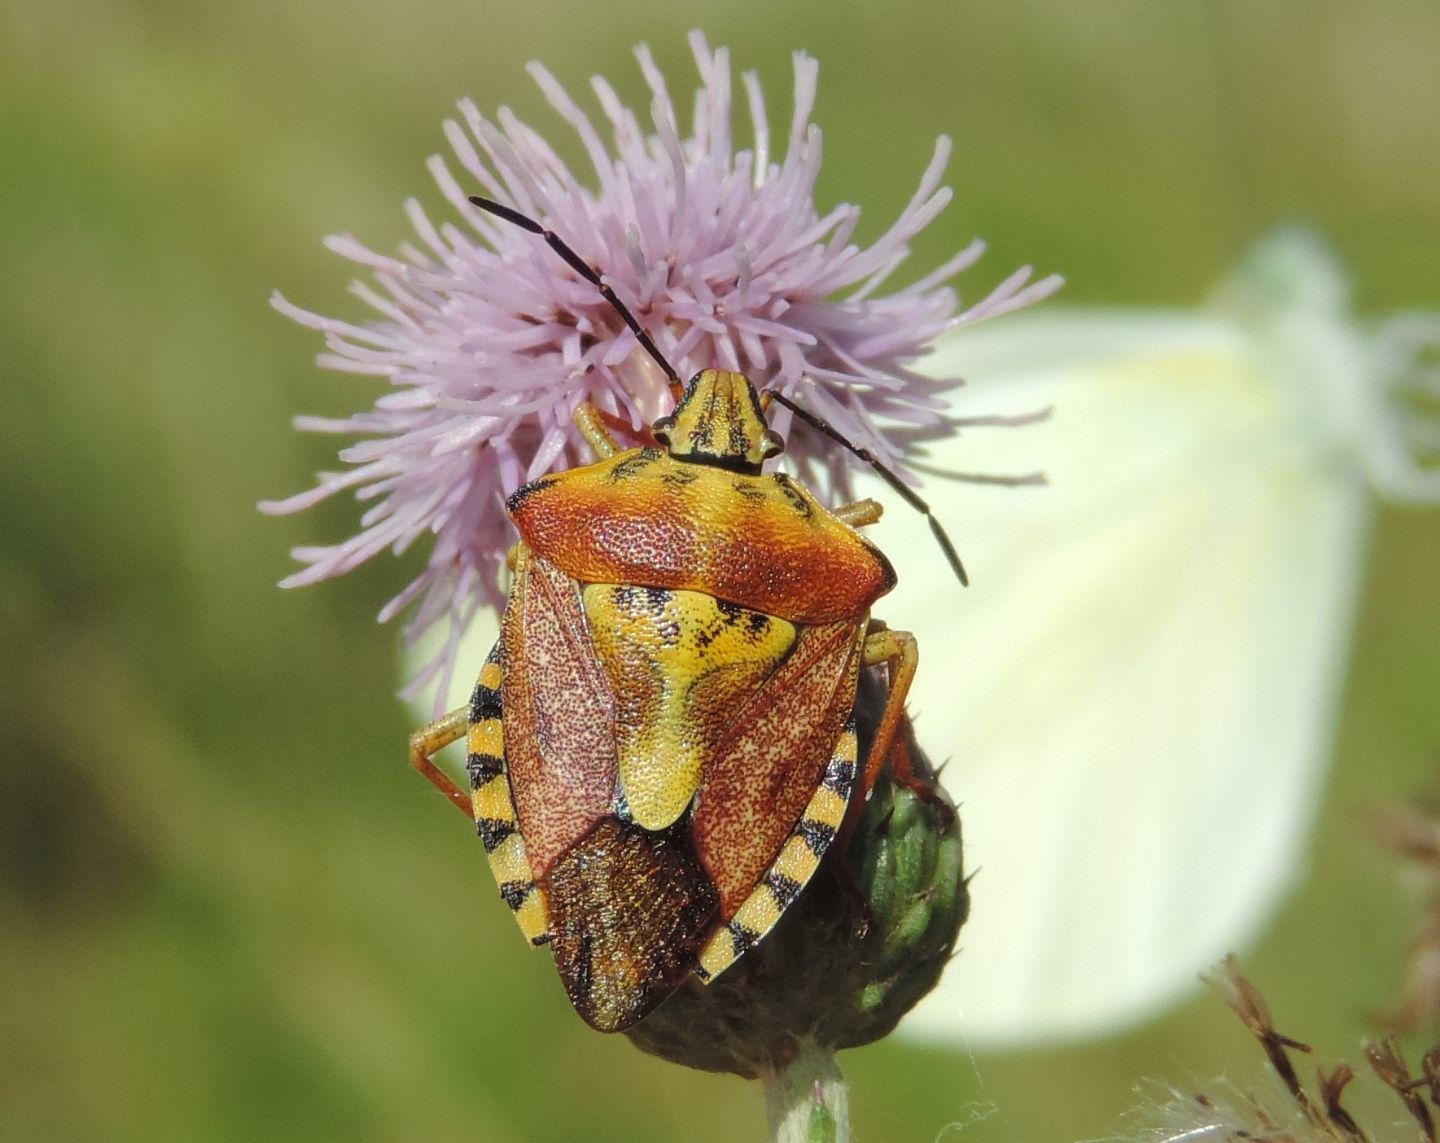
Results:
792 868
629 909
559 714
772 762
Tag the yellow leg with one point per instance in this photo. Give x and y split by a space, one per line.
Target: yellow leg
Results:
891 748
860 513
898 651
428 741
592 428
902 773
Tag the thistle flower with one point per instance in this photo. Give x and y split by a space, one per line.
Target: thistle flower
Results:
490 341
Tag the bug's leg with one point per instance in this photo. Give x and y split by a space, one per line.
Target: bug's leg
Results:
493 806
900 655
428 741
902 773
591 423
891 745
861 512
897 651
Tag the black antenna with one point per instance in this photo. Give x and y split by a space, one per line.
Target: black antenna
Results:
907 493
586 271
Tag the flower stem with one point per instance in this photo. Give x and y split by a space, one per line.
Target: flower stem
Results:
807 1099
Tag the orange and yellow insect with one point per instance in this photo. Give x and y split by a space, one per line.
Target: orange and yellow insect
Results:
661 745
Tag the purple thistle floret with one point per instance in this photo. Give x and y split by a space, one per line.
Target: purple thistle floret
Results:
490 341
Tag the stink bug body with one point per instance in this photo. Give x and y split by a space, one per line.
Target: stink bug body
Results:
661 745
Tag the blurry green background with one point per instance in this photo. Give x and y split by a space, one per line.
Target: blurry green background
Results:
228 910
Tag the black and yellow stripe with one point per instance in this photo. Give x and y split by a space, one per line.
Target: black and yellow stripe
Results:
799 857
494 809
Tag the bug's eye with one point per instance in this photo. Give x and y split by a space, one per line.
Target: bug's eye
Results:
773 444
660 430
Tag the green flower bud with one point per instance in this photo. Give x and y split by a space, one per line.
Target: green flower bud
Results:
841 967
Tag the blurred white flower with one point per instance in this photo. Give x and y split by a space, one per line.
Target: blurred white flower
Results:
1139 691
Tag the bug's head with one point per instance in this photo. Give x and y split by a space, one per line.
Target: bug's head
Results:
719 420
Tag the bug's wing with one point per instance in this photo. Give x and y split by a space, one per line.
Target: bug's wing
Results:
627 908
793 866
628 911
771 762
558 710
1139 687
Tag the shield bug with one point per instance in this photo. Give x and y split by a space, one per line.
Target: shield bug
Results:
661 745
